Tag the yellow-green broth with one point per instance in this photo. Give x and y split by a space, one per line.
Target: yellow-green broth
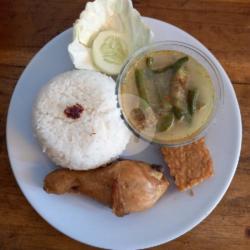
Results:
198 78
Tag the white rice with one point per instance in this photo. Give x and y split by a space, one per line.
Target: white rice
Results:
97 137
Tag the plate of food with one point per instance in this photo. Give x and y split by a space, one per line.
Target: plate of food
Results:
123 132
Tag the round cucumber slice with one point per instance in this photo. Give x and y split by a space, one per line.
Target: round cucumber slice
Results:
109 51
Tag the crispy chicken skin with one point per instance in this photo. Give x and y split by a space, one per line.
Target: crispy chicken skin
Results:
126 186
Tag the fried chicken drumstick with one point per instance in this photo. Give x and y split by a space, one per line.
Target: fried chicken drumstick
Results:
126 186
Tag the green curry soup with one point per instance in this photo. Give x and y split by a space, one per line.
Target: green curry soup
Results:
167 96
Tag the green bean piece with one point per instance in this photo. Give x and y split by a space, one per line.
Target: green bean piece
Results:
192 98
179 112
178 64
139 77
175 66
165 122
150 62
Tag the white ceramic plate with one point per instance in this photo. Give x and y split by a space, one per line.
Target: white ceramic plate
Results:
86 220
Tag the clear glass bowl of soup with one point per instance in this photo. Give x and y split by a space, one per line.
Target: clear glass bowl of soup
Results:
169 93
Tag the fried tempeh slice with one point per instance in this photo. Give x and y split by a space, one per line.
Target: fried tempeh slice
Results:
190 164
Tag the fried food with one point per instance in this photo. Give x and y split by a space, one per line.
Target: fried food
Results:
126 186
190 164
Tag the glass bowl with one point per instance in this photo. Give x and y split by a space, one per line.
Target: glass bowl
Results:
201 58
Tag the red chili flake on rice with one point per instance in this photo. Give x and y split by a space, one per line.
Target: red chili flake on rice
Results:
74 112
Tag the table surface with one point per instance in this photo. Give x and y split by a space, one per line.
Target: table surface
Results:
221 25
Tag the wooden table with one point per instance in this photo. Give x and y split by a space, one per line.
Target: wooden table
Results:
222 25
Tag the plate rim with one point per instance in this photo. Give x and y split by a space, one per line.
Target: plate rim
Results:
182 231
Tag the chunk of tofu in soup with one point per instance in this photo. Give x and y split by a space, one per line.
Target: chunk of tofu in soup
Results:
171 93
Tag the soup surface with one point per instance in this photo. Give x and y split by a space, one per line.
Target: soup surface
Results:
167 96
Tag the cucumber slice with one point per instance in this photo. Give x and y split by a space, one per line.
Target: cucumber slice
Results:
109 51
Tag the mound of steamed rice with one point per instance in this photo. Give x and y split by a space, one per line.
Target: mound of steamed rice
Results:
96 137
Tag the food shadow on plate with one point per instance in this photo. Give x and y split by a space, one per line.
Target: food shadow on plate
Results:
81 201
38 172
40 166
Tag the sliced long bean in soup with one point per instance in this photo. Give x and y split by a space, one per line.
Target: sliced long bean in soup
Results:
174 96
